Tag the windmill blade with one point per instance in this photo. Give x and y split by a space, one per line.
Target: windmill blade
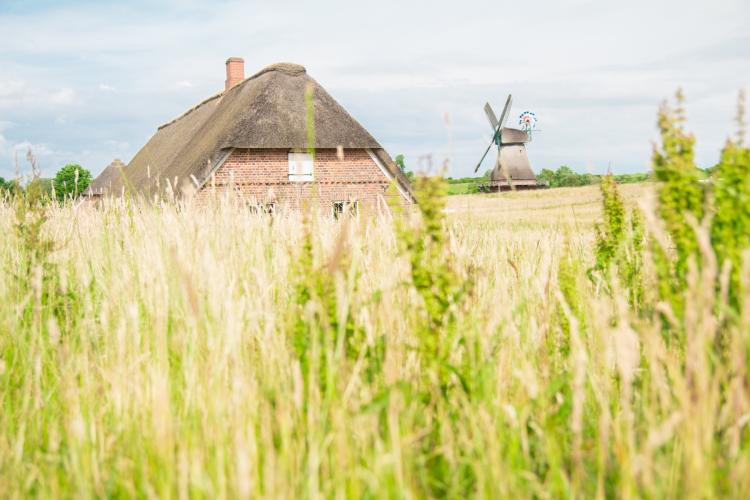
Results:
506 111
484 155
497 127
490 115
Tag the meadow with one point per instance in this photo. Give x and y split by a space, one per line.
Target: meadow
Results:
168 363
573 342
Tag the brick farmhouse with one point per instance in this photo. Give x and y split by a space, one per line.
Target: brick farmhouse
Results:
252 140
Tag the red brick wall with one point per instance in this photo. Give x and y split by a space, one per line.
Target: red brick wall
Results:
262 176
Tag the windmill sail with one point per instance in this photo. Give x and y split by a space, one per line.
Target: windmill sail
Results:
490 115
506 111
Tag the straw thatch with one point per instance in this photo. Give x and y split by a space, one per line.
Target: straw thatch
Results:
266 110
102 184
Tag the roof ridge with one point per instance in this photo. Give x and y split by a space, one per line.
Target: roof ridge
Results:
190 110
282 67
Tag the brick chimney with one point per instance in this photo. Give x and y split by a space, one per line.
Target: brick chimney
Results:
235 72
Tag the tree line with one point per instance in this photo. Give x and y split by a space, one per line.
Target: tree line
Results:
564 176
69 182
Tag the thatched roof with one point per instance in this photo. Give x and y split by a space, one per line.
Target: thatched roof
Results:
266 110
103 182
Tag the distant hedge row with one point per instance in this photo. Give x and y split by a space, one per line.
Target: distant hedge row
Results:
564 176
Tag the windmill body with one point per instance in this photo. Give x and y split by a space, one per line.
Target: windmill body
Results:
512 168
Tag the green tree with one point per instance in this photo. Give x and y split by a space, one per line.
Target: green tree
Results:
71 180
564 176
400 162
9 187
548 176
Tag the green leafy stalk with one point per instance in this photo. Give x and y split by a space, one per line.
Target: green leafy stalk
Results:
680 196
619 241
731 189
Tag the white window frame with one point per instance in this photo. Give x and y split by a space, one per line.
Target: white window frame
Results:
350 207
262 208
300 166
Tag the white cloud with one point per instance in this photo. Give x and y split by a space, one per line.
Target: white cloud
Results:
20 94
37 149
118 146
185 84
106 88
11 92
11 88
62 96
14 156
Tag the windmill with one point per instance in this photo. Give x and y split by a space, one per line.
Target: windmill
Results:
512 168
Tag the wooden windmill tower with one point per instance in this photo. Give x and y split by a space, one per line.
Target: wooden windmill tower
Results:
512 168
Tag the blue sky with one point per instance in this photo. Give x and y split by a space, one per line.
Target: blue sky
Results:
88 81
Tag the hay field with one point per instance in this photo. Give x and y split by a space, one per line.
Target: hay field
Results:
576 206
176 352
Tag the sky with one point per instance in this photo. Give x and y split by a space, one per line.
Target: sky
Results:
87 81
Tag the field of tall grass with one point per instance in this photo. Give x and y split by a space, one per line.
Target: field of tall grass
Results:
560 343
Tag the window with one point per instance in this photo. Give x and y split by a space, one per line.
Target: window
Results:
260 208
345 207
300 167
